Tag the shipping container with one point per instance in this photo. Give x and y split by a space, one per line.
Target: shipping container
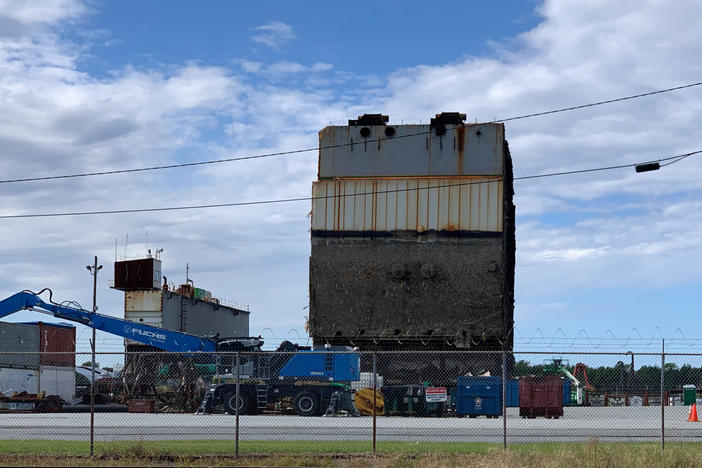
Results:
59 381
144 273
14 380
22 341
59 338
479 396
421 205
411 150
202 294
540 396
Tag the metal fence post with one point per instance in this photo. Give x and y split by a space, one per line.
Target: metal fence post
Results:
92 396
662 395
236 431
504 400
375 390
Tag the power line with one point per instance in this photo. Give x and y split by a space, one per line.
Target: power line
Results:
317 148
599 103
673 160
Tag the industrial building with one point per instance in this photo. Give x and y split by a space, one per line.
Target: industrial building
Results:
412 235
187 308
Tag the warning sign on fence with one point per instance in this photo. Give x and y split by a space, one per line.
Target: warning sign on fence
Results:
435 394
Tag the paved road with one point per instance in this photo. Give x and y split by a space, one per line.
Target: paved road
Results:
578 424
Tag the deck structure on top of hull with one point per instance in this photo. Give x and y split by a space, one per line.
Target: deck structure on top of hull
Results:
413 237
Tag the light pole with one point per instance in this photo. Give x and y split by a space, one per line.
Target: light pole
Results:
93 269
631 371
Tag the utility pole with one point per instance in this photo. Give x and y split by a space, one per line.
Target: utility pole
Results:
93 269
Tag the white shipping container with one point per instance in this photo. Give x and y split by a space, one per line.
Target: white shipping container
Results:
18 380
56 380
451 204
366 381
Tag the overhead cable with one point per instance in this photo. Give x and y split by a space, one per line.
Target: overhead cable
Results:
674 159
317 148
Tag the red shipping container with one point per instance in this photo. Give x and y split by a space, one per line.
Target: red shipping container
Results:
540 396
54 338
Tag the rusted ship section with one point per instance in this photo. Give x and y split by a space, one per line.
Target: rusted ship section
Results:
413 236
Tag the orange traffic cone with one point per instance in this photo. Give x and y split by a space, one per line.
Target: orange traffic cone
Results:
692 417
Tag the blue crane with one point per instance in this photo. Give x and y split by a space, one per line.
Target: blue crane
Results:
265 377
160 338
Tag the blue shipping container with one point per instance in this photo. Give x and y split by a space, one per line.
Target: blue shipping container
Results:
478 396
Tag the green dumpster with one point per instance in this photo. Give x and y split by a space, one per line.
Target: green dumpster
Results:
689 394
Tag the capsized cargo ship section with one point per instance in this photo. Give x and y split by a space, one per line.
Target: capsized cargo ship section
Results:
413 237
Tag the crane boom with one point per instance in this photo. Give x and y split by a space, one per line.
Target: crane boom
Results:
160 338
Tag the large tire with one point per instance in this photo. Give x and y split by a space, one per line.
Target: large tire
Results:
244 405
306 404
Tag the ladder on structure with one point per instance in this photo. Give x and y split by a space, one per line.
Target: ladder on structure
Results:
333 404
183 314
262 396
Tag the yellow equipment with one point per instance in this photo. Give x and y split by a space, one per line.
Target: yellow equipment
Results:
363 399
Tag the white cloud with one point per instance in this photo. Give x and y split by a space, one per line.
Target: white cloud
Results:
284 68
274 34
593 230
20 18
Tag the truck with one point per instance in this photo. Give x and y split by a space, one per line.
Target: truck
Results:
313 379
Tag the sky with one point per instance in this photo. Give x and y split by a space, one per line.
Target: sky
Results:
95 85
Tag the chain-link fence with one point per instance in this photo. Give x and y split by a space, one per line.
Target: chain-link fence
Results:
350 401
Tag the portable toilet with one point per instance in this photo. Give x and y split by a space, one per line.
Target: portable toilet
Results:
689 394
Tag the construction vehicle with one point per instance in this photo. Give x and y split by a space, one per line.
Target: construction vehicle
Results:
314 379
578 391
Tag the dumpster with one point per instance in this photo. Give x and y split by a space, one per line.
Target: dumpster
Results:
479 396
689 394
512 399
408 400
541 396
